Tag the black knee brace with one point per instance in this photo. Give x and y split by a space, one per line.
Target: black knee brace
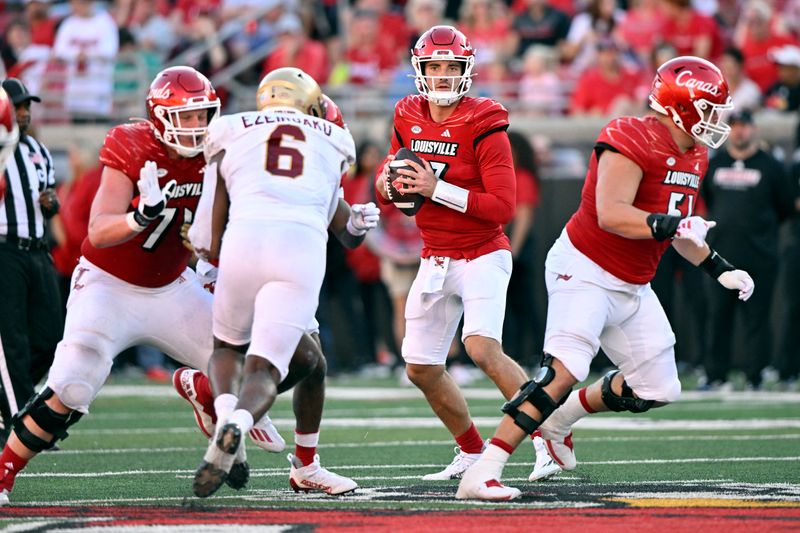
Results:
52 422
625 402
532 392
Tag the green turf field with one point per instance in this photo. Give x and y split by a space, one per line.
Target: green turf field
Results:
139 446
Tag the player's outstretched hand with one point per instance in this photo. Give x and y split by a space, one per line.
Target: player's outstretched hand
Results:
694 229
738 280
153 198
363 217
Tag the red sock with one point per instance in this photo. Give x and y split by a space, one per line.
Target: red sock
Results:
202 387
305 454
10 464
585 401
471 441
503 445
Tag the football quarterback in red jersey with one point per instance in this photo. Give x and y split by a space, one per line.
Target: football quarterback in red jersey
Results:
132 285
468 175
9 134
638 198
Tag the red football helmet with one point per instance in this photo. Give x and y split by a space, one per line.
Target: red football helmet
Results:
173 91
694 94
443 43
331 111
9 135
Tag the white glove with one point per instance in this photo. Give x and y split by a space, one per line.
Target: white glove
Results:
738 280
363 217
694 229
152 198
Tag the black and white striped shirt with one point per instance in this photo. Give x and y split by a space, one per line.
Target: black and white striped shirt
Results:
28 173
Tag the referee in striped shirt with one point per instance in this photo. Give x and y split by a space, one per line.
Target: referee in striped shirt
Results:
31 316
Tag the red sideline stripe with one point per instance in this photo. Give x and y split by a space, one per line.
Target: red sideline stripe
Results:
584 401
594 520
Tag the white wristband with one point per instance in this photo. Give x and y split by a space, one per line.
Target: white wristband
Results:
352 230
451 196
133 224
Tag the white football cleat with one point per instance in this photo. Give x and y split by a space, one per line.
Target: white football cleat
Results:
474 486
265 435
183 380
315 477
561 450
545 466
461 462
4 498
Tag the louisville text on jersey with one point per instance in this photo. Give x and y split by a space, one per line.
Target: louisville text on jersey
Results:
424 146
187 189
686 179
260 120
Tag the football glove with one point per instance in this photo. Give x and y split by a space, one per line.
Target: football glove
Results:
363 217
738 280
694 229
152 198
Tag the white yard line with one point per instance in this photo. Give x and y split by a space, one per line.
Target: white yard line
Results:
629 423
375 393
428 443
266 472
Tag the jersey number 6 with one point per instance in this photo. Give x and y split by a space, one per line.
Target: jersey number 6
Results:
277 153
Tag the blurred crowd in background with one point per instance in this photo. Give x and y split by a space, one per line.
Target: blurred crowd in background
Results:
545 57
91 63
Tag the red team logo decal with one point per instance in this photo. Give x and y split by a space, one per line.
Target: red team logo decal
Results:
78 286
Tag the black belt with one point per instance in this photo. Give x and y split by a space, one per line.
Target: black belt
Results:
24 243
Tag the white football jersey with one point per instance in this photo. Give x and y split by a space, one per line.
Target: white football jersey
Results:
281 164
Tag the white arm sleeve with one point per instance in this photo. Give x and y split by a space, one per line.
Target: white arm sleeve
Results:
200 232
216 136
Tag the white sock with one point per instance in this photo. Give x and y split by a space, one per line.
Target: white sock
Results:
224 404
492 462
306 440
242 418
559 424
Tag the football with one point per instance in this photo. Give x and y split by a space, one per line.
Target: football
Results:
408 203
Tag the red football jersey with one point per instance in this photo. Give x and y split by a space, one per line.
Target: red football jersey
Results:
670 184
471 150
155 257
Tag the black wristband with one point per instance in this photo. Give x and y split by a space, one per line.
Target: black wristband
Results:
140 219
715 265
152 211
663 226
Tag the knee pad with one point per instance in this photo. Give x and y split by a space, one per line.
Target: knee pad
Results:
533 393
51 421
627 401
79 370
77 395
